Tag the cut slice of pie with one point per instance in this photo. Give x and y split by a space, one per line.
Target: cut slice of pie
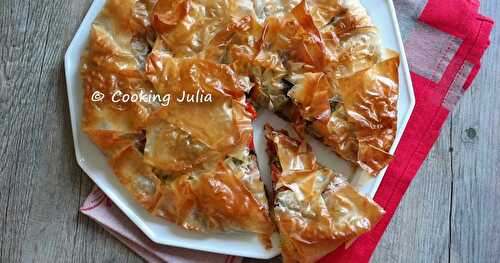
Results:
315 209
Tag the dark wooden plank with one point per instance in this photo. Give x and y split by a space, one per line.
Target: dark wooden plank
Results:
41 186
476 170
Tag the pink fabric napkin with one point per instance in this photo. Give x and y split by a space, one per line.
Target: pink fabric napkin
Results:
100 208
444 41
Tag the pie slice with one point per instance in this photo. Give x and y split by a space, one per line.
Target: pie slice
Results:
315 209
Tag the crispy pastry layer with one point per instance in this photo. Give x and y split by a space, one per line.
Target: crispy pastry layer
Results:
315 209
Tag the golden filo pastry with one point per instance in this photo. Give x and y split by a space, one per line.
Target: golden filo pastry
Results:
311 56
362 125
316 210
137 177
188 26
334 37
227 196
114 61
317 63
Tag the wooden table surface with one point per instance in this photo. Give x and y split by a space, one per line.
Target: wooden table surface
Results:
450 214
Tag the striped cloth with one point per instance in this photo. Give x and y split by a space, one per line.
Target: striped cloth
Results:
444 42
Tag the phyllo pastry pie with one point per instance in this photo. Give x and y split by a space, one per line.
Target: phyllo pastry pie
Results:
169 88
315 209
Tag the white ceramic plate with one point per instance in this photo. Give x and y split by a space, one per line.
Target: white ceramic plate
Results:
93 162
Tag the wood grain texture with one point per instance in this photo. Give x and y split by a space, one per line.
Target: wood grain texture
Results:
475 231
425 209
448 215
41 185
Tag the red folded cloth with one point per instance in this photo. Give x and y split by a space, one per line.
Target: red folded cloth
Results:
444 42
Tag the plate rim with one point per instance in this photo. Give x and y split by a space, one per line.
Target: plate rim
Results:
409 85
